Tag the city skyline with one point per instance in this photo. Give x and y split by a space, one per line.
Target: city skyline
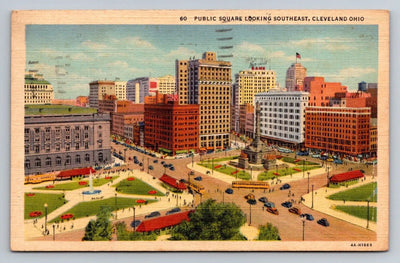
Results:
71 56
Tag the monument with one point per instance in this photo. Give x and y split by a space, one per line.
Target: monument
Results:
91 191
255 153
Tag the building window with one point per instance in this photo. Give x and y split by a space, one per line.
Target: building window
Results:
86 145
77 159
37 148
68 160
38 163
27 164
87 157
100 157
57 147
26 148
48 161
58 161
77 146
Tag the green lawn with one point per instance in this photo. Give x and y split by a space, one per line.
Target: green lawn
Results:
220 160
44 109
136 187
36 203
267 175
227 170
361 193
358 211
84 209
75 184
291 160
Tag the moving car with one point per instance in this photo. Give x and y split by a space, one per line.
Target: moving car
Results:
338 161
316 156
172 168
295 210
173 211
252 201
198 178
285 186
155 161
229 191
153 214
309 217
323 222
269 204
250 196
151 167
273 210
287 204
135 223
263 199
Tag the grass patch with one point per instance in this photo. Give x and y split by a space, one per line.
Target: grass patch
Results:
267 175
361 193
358 211
75 184
226 169
292 160
36 203
91 208
137 187
221 159
43 109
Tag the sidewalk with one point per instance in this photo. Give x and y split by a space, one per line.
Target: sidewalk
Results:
75 196
325 205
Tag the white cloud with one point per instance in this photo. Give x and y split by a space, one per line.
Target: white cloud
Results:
119 63
327 43
356 72
93 45
138 42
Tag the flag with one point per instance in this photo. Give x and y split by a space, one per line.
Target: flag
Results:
298 55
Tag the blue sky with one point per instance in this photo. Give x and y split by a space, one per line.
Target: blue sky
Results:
346 54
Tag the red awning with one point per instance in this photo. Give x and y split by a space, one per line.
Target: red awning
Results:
163 222
76 172
343 177
172 182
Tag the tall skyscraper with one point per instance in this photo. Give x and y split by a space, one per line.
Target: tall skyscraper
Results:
207 82
295 76
37 90
137 89
98 89
166 84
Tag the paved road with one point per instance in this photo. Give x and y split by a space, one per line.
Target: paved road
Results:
289 225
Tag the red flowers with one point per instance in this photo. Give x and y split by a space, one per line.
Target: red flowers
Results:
50 186
130 178
35 214
140 201
152 192
108 177
30 194
276 173
67 216
82 183
297 169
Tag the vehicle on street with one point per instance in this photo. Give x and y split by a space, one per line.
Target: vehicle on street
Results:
140 164
284 187
252 201
173 211
151 167
208 172
263 199
273 210
135 223
136 161
287 204
323 157
302 153
172 168
329 160
229 191
309 217
269 204
198 178
155 161
162 162
153 214
117 164
338 161
295 210
250 196
323 222
316 156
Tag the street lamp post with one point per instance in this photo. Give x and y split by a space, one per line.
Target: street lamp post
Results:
54 232
148 164
303 168
250 215
223 197
308 182
312 196
251 172
116 208
212 166
125 155
45 218
192 159
304 221
134 218
327 176
367 213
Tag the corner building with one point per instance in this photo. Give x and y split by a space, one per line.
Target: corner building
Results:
345 131
207 82
170 128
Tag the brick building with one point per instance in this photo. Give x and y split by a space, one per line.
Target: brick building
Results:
345 131
320 91
246 120
169 127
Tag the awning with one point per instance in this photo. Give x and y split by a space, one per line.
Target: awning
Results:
164 150
163 222
181 151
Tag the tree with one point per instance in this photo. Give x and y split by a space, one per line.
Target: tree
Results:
101 228
268 232
212 221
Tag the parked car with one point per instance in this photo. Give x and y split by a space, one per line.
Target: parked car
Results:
162 162
155 161
135 223
140 164
323 222
273 210
329 160
153 214
269 204
136 161
302 153
252 201
287 204
323 157
295 210
338 161
151 167
309 217
284 187
250 196
229 191
263 199
172 168
173 211
198 178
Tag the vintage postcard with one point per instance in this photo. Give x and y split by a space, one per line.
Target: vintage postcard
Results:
200 130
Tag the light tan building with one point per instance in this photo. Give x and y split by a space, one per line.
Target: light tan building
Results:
98 89
166 85
207 82
295 77
120 89
37 90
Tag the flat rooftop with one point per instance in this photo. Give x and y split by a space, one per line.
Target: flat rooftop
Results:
53 109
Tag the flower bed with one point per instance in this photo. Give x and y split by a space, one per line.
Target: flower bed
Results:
50 186
152 192
82 183
275 173
140 201
108 177
130 178
67 216
235 172
218 166
297 160
279 157
35 214
297 169
30 194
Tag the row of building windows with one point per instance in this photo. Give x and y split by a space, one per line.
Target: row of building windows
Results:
37 163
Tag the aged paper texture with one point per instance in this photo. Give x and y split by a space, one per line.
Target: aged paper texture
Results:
200 130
